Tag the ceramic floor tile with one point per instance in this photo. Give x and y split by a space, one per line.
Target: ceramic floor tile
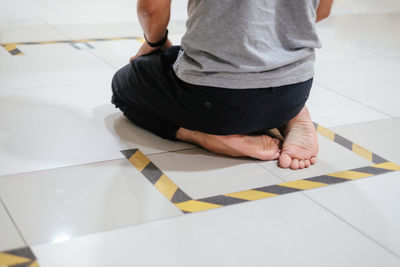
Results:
109 30
48 65
10 238
370 205
369 31
29 33
248 234
203 174
337 51
390 53
13 21
331 158
57 205
118 53
381 137
331 109
373 83
365 6
68 125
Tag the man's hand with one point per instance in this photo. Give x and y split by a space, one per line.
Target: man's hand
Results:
146 49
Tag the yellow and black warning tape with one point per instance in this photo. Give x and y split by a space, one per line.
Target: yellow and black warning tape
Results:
188 205
21 257
359 150
13 49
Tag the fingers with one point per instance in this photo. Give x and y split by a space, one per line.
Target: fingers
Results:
146 49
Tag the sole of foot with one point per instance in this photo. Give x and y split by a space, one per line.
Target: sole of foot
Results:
261 147
300 145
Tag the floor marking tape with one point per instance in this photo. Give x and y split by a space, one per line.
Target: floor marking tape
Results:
155 176
188 205
346 143
21 257
13 50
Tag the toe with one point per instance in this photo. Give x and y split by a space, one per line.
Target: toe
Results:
307 163
313 160
301 164
285 160
277 154
295 164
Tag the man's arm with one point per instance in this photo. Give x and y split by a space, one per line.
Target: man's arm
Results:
324 9
154 18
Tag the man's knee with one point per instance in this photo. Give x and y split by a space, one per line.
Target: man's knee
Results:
118 85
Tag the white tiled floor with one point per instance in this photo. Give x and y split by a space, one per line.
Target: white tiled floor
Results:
369 205
202 174
10 238
363 81
67 191
285 231
57 126
61 204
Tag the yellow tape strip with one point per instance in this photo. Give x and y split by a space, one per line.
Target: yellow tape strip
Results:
351 175
48 42
166 186
10 47
195 206
9 260
139 160
388 166
303 184
326 132
359 150
250 195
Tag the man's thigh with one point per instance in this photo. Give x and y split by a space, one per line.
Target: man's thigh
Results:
145 83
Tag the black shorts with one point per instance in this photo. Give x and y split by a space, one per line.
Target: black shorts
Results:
149 94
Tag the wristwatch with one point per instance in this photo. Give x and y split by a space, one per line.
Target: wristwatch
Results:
160 43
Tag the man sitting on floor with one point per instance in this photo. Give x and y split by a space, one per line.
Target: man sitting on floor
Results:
243 67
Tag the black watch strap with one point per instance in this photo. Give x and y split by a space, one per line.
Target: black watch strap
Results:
160 43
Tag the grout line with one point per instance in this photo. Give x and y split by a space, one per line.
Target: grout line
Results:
90 163
351 225
355 100
259 164
14 223
165 152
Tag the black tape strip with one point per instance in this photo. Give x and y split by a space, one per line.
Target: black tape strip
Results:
21 252
343 142
325 179
15 51
152 172
377 159
277 189
180 196
371 170
222 200
129 153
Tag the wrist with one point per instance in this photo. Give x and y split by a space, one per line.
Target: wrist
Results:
157 43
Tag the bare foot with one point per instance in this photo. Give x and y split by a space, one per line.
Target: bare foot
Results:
260 147
300 145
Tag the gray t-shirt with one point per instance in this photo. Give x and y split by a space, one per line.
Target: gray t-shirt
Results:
248 43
